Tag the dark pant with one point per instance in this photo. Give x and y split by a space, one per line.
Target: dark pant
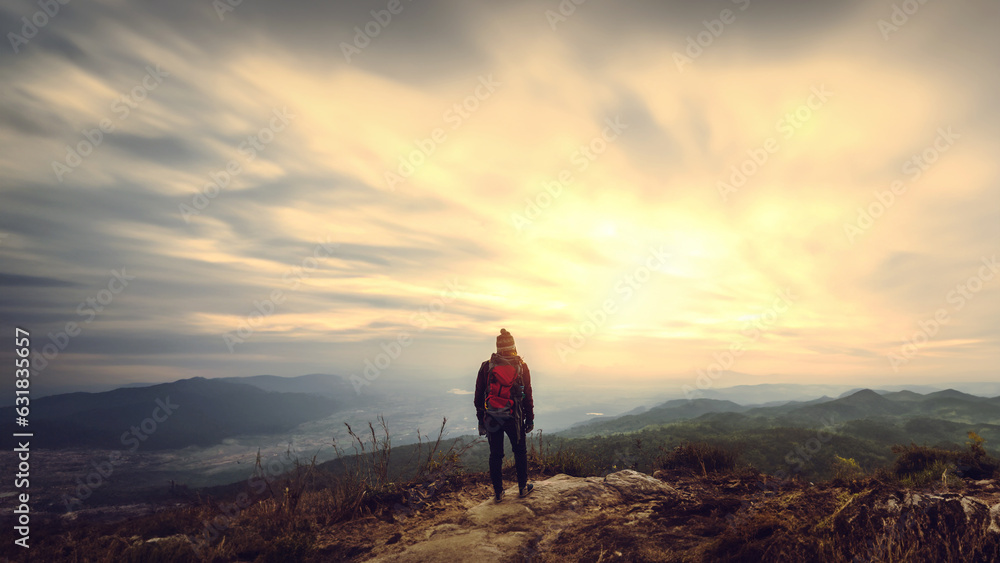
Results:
494 435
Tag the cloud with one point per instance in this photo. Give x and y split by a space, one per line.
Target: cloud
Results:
14 280
479 109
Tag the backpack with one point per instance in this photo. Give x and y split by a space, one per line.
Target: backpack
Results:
504 391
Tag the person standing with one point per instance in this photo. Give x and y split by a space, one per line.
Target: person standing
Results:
504 405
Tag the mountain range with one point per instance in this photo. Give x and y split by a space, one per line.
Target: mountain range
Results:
188 412
217 409
948 405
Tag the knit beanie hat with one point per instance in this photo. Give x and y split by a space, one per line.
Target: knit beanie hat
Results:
505 344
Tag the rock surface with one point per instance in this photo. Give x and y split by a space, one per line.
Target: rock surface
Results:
516 528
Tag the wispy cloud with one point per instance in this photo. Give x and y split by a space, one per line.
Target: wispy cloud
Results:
323 177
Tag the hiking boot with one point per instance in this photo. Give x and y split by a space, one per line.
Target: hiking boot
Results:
527 490
499 496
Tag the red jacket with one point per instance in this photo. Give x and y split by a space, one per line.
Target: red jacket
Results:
527 404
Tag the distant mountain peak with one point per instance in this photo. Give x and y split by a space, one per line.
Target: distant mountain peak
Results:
865 393
864 397
952 394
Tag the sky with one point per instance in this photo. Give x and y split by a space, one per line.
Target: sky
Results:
673 193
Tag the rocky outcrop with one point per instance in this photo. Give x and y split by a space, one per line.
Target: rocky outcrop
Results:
518 528
675 516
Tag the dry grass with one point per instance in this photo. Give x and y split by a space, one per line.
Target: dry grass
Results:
726 512
699 457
